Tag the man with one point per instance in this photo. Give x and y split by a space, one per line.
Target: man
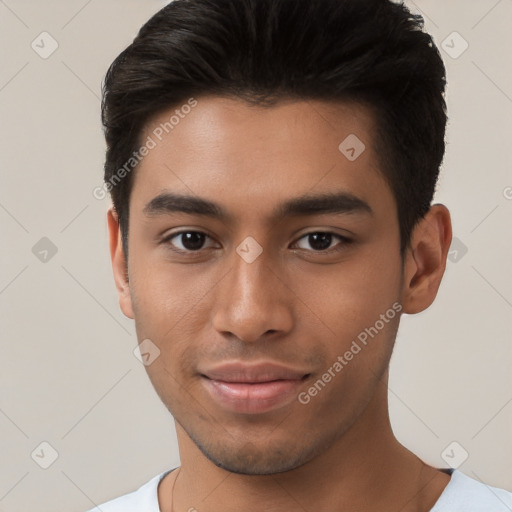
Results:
272 165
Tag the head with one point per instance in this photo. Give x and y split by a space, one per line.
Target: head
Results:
308 134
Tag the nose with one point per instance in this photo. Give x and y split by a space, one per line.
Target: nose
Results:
253 301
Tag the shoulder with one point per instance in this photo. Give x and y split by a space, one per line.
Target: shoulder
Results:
465 494
144 498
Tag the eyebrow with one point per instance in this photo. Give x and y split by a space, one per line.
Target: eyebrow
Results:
328 203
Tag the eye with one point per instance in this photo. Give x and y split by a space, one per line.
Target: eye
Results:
187 241
320 241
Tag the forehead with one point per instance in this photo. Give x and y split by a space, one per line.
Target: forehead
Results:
253 155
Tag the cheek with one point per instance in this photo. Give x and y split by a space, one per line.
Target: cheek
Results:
350 296
360 312
165 293
171 307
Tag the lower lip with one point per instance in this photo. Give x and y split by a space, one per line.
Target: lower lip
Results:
253 398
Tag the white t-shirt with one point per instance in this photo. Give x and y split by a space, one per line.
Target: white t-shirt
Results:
462 494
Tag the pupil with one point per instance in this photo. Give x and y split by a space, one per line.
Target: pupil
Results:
192 240
320 241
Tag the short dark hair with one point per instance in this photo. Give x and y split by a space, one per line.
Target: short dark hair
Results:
369 51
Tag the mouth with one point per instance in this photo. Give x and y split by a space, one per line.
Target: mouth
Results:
253 389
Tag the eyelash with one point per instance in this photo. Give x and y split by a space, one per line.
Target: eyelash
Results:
336 248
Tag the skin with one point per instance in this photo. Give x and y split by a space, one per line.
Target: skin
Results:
292 305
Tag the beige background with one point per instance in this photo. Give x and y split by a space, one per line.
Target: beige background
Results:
67 371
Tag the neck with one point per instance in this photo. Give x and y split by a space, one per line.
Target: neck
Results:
365 469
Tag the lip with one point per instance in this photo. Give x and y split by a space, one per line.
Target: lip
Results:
252 373
254 388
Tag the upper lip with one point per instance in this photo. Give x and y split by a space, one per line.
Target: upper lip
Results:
260 372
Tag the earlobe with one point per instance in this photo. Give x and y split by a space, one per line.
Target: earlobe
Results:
425 259
119 264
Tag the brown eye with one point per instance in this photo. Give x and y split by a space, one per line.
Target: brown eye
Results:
187 241
320 241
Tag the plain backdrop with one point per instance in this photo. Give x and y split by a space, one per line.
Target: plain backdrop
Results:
68 374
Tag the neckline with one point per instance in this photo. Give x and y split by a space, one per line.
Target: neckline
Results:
449 471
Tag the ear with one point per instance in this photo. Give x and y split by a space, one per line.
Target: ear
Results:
425 259
119 264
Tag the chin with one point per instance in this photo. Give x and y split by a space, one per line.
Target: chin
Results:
248 459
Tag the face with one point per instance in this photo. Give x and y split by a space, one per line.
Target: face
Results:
281 259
